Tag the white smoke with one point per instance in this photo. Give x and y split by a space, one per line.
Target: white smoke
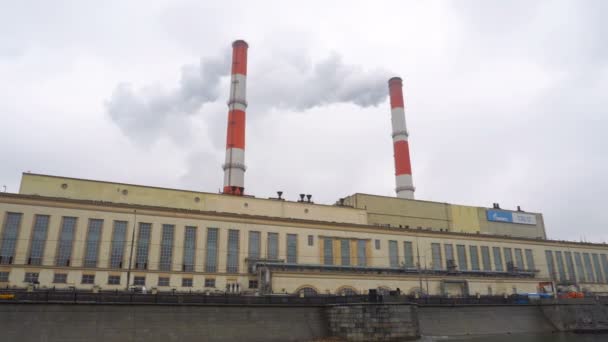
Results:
147 113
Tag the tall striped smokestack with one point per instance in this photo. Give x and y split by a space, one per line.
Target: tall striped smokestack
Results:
234 167
403 168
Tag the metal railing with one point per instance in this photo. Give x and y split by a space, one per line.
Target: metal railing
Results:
177 298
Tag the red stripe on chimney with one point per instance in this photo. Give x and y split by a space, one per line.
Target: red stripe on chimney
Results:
396 94
402 158
239 57
236 129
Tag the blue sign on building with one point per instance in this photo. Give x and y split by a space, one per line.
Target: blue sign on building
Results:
510 217
500 216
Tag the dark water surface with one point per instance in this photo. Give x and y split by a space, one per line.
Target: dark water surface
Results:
557 337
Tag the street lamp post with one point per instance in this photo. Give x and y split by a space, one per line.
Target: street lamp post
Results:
131 252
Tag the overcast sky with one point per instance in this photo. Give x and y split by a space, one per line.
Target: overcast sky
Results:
505 101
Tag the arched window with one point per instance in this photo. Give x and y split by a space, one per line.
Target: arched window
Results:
346 291
307 292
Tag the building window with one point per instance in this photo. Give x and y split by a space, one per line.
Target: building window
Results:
570 266
88 279
31 277
485 258
163 281
209 282
117 249
273 246
346 291
292 248
60 278
92 243
361 253
328 251
605 267
550 264
307 292
530 260
497 259
114 280
4 277
462 257
66 241
588 268
254 245
211 257
186 282
559 259
377 244
393 253
253 284
598 270
143 245
449 255
604 259
10 234
310 240
436 256
519 259
579 267
139 280
508 259
232 258
474 254
189 249
166 248
345 252
408 254
41 223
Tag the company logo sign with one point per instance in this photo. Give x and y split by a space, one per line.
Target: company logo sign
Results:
511 217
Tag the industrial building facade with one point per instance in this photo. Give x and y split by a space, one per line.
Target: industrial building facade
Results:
64 232
60 232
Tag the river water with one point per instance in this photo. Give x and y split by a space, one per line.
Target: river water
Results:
557 337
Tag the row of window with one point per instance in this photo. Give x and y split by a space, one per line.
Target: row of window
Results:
65 244
513 258
345 246
577 267
61 278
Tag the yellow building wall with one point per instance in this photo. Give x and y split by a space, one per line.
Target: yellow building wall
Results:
63 187
464 219
399 212
421 241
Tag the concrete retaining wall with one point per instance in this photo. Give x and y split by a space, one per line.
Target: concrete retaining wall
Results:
151 323
479 320
577 315
373 322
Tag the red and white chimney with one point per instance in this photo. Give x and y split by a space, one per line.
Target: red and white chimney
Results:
403 168
234 166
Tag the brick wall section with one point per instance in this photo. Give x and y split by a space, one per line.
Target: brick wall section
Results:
374 322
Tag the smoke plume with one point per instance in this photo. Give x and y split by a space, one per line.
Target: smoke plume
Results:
149 112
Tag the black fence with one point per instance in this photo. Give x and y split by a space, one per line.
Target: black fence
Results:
170 298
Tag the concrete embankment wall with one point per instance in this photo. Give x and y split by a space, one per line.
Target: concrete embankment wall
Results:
374 322
163 323
481 319
577 315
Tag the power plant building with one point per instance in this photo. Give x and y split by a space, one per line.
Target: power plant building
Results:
61 232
